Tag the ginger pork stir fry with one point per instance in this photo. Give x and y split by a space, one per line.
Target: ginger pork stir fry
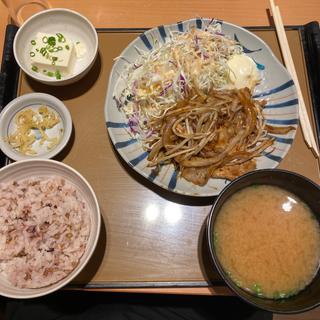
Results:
181 102
217 135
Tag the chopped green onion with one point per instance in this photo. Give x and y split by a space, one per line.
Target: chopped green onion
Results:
45 39
32 54
58 75
279 295
77 42
59 48
215 238
37 50
52 41
44 70
55 49
291 293
238 283
61 37
67 47
34 68
50 74
33 42
257 290
54 58
43 51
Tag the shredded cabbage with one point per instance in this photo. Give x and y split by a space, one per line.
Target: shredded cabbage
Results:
192 62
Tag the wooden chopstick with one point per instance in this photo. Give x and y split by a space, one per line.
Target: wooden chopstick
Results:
286 53
290 66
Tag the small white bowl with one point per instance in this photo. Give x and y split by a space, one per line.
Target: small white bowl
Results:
73 26
37 168
33 100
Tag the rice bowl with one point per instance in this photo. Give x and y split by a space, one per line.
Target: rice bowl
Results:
76 254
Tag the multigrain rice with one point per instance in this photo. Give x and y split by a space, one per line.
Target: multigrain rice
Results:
44 228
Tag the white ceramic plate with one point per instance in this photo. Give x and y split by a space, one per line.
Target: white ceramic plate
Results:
276 87
73 26
34 101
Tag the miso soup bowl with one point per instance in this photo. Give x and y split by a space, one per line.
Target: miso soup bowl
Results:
307 191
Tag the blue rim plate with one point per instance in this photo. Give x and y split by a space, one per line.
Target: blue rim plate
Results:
276 87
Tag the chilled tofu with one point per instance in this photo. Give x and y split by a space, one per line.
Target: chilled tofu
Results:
52 53
80 49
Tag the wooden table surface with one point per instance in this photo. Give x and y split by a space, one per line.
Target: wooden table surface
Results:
149 13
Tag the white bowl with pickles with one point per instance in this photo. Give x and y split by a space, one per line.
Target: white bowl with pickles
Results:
34 125
56 46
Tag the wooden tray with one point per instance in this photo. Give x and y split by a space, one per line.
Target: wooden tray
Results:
150 237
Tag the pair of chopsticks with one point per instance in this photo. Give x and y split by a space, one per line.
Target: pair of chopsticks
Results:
304 119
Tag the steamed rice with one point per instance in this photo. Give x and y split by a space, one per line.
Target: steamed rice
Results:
44 228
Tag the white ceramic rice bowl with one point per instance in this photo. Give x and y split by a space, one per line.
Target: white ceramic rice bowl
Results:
40 167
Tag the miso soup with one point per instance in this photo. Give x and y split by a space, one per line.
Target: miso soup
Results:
268 241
